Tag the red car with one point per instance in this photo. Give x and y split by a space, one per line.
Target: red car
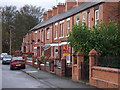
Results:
17 63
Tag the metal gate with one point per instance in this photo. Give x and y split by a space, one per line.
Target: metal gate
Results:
85 69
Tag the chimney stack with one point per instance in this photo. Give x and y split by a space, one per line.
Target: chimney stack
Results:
44 16
54 11
49 14
81 1
70 4
60 8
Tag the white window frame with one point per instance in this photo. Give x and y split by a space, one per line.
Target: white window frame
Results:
68 27
61 29
36 32
48 34
77 20
42 38
56 32
23 40
96 17
84 17
55 53
89 19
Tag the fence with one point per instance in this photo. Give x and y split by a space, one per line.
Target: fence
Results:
109 61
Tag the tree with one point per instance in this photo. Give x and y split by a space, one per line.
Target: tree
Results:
104 39
21 20
8 14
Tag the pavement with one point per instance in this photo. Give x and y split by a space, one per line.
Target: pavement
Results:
52 80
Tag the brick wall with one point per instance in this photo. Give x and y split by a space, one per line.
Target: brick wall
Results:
102 77
111 11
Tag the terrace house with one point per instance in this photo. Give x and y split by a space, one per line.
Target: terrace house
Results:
49 37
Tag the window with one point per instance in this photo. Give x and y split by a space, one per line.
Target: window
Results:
77 18
84 17
23 40
89 20
56 31
62 30
68 26
48 33
96 17
36 36
55 51
42 36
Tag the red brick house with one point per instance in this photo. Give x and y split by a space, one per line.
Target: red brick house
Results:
49 37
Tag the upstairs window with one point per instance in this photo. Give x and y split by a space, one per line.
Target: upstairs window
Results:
36 36
68 26
56 31
48 33
77 18
42 36
96 17
84 17
62 30
89 20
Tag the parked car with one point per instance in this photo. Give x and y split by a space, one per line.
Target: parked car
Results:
6 59
3 55
17 63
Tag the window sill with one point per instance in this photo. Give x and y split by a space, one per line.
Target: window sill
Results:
55 38
61 37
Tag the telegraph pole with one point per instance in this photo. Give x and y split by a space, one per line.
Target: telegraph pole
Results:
10 29
10 41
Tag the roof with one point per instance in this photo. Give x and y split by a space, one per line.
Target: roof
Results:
66 14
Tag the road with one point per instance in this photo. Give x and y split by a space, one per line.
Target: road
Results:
18 79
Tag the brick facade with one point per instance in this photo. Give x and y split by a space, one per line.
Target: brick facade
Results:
54 34
47 34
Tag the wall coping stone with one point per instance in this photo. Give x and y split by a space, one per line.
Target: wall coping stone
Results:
106 69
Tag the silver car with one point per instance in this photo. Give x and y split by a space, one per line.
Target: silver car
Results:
2 55
7 59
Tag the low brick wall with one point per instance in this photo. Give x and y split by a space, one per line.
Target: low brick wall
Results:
29 63
42 67
48 68
103 77
58 71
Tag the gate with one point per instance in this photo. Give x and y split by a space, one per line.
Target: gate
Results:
85 69
80 67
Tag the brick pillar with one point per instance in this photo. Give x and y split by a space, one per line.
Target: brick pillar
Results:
38 62
51 64
25 57
33 60
77 67
55 60
80 60
46 58
92 62
73 63
63 66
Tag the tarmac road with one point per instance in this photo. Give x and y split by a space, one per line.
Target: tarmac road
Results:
18 79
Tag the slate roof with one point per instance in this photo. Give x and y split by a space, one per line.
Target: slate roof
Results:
66 14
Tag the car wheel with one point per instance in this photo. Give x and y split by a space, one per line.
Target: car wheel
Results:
11 68
3 63
24 67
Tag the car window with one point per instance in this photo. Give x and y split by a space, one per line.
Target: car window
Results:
17 58
6 58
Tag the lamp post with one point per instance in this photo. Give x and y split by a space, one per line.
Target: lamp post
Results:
10 29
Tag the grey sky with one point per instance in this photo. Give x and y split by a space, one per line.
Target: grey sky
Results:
47 4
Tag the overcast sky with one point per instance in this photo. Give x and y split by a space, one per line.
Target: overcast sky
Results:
47 4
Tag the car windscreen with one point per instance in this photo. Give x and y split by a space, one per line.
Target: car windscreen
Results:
17 58
6 58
